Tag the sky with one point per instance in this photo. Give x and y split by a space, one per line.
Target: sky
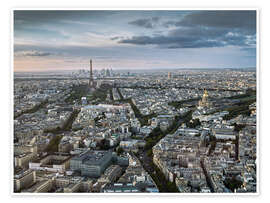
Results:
54 40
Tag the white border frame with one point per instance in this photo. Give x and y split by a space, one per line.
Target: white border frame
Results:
258 76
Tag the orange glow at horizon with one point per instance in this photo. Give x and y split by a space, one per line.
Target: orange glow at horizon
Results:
40 64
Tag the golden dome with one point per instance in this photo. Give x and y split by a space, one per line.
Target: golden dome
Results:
205 94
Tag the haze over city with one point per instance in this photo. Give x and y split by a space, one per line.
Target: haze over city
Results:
66 40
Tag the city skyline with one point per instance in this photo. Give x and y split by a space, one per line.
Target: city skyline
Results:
123 132
159 39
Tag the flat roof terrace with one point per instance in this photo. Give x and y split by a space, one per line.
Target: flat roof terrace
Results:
92 157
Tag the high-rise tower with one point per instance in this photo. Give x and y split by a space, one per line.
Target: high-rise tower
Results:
169 75
91 80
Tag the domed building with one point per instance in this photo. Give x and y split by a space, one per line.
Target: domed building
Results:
204 102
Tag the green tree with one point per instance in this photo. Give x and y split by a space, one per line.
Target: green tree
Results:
119 150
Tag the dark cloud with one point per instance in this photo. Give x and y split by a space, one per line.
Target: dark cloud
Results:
32 53
173 42
116 38
191 38
55 15
204 32
200 29
145 22
242 20
23 18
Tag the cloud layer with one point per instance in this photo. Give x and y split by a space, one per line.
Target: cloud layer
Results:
31 53
202 29
138 39
145 22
